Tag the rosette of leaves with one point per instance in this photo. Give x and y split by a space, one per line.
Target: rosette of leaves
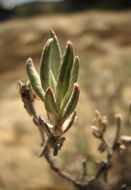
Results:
56 84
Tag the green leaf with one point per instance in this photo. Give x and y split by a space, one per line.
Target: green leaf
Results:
50 102
75 71
71 105
52 81
73 79
55 54
64 74
45 64
34 79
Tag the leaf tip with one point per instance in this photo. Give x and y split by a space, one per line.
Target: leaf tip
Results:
50 40
69 44
76 87
76 59
29 61
51 31
49 89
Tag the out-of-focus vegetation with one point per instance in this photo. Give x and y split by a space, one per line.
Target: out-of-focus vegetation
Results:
99 4
66 6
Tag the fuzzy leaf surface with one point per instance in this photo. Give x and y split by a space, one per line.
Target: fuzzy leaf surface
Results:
64 74
71 105
73 79
34 79
50 103
55 54
45 64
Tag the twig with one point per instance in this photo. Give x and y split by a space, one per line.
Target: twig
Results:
77 183
118 125
28 98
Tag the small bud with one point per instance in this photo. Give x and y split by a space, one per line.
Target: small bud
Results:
101 122
104 124
96 132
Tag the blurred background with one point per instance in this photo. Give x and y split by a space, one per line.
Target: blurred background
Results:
101 34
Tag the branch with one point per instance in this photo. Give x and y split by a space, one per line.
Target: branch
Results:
54 142
49 141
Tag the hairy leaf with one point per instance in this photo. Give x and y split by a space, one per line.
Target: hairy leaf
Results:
52 81
50 102
34 79
73 79
45 64
71 105
64 74
55 54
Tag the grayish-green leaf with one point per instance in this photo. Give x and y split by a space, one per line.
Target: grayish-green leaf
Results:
75 71
50 102
73 79
34 79
55 54
45 64
52 81
71 105
64 74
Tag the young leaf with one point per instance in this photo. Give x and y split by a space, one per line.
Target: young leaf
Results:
45 64
71 105
52 81
75 71
55 54
34 79
64 74
69 122
50 102
74 77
